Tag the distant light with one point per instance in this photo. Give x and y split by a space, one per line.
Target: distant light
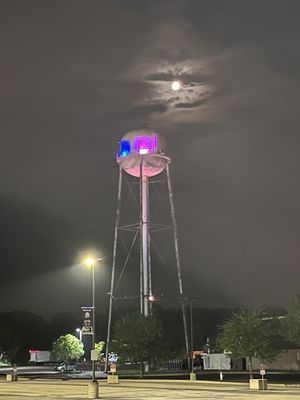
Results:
176 85
151 297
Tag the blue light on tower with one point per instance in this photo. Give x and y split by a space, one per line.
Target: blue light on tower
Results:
125 148
142 147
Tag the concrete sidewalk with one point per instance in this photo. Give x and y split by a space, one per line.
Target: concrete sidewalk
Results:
142 390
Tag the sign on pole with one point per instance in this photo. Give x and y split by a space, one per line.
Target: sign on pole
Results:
112 357
94 355
262 370
87 326
113 368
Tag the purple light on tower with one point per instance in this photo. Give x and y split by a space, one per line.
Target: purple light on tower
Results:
145 144
142 150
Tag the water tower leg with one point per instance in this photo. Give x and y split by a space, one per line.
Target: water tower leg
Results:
150 302
144 238
185 327
144 246
145 205
141 243
111 294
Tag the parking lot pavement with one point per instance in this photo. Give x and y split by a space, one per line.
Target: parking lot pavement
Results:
142 390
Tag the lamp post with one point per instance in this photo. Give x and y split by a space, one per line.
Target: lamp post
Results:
192 336
93 386
79 331
90 262
192 373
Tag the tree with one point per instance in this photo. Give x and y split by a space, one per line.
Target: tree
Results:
139 339
249 334
99 347
10 342
4 360
292 321
67 348
21 331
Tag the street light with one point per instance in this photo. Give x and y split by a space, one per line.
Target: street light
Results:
79 331
90 262
192 335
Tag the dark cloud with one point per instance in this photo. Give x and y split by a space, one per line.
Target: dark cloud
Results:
189 79
191 105
33 241
160 76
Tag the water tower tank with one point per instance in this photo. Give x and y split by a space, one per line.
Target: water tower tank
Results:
142 147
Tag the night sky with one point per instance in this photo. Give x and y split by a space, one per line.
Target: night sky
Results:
76 75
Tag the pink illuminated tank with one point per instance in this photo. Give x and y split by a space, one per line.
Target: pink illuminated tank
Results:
142 150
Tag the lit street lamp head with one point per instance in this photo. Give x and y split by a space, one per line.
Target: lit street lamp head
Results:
89 261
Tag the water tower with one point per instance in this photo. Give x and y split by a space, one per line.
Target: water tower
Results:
142 156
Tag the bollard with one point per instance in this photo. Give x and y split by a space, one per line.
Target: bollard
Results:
15 373
11 378
193 376
258 384
93 390
112 378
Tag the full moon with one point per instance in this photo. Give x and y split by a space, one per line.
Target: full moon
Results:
176 85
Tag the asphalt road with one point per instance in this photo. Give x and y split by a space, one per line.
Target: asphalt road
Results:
143 390
228 376
48 372
29 370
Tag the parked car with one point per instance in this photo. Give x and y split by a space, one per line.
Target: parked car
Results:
66 367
